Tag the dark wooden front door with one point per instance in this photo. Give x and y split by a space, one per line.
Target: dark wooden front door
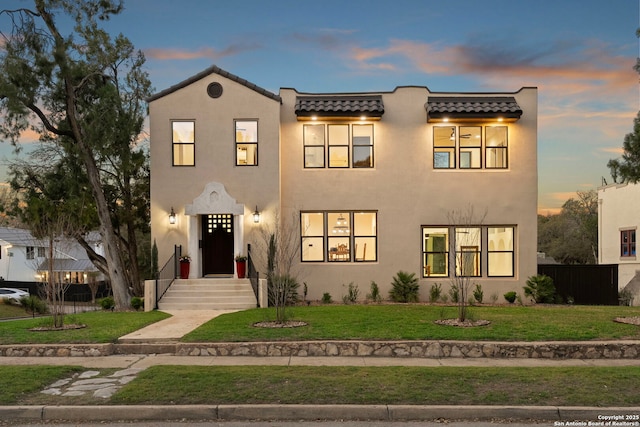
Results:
217 244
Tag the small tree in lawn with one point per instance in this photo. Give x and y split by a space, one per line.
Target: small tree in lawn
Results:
281 243
467 234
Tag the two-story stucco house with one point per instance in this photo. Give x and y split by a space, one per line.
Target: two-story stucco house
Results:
369 178
618 222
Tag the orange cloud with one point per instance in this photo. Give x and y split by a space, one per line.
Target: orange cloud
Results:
206 52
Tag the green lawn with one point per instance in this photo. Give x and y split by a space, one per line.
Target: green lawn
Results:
416 322
568 386
101 327
324 385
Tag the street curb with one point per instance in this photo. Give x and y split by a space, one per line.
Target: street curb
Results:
316 412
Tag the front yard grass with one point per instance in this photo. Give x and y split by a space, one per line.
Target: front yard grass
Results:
101 327
560 386
324 385
416 322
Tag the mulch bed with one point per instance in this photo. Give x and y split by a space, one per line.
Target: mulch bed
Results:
630 320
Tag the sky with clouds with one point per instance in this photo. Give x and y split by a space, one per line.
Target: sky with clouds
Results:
578 53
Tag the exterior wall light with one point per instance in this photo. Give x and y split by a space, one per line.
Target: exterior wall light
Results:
172 217
256 215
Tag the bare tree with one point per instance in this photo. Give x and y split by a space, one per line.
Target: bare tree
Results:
468 240
280 242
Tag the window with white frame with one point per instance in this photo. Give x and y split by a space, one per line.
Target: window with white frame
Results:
339 236
628 243
183 142
469 246
345 145
246 132
470 147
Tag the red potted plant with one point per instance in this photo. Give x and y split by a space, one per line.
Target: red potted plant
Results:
185 264
241 266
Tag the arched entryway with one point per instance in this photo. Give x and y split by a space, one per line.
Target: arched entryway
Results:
215 232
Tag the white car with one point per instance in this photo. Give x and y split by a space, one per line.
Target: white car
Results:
13 294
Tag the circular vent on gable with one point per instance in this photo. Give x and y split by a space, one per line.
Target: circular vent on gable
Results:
214 90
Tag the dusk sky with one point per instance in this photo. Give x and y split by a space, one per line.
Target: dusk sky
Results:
578 53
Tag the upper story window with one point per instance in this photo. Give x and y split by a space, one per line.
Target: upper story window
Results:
628 243
246 132
463 147
30 252
342 236
41 252
183 142
346 145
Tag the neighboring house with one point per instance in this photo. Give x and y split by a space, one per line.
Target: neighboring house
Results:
23 258
618 222
367 181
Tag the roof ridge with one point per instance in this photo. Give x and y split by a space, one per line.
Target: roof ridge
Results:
211 70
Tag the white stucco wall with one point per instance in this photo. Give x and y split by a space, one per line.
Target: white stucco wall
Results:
618 207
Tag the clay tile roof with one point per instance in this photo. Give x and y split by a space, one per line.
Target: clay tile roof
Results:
340 105
473 107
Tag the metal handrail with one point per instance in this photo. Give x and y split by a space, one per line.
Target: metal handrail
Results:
252 274
167 275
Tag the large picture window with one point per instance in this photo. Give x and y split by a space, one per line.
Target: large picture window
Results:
246 142
469 246
463 147
339 236
346 145
183 142
628 243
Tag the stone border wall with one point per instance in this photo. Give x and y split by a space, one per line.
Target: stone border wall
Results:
416 349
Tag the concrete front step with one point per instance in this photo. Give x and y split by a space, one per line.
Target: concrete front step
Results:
209 294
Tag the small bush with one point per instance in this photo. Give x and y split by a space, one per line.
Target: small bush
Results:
478 293
510 296
374 295
540 288
33 304
494 297
454 293
352 294
326 298
107 303
137 303
435 292
405 287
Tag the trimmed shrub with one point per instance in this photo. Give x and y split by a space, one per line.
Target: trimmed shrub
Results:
510 296
137 303
405 287
107 303
326 298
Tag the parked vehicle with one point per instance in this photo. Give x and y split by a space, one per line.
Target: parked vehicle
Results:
13 294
